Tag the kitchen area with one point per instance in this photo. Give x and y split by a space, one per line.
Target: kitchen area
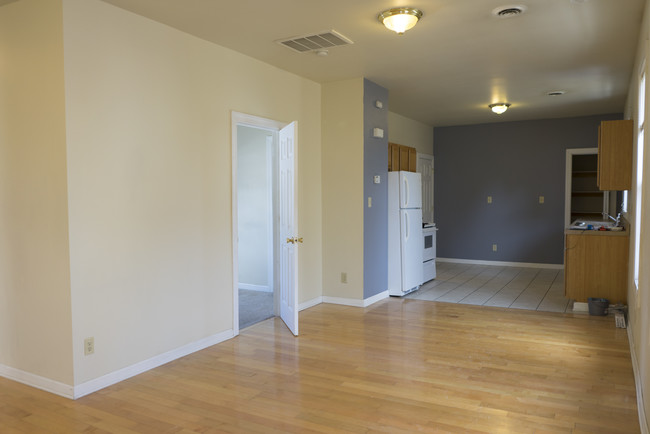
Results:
595 239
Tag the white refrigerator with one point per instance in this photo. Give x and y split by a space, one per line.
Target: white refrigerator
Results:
405 242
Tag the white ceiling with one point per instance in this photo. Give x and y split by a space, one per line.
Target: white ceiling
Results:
455 62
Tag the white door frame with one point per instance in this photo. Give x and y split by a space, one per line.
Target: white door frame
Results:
238 118
419 168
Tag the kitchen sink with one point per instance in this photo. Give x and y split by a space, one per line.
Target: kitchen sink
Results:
595 224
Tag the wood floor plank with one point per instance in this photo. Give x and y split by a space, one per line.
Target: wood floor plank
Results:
398 366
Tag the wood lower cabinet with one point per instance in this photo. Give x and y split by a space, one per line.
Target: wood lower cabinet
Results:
402 157
595 265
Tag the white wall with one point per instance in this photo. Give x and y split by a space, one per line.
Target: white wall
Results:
343 201
408 132
35 318
254 207
148 123
639 300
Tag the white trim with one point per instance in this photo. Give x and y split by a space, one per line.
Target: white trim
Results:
643 421
251 287
375 298
356 302
502 263
33 380
146 365
425 213
310 303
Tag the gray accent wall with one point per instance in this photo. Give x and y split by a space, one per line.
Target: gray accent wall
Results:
515 163
375 218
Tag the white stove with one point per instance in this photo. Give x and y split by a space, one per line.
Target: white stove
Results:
429 252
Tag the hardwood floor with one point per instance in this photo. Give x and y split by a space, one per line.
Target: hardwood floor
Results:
399 366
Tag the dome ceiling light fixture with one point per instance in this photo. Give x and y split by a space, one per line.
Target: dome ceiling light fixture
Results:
499 107
399 20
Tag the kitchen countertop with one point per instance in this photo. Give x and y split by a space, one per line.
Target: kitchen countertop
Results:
624 233
597 233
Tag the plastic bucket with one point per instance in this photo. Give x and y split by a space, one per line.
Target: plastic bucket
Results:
598 306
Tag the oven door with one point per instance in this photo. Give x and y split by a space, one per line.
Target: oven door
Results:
429 252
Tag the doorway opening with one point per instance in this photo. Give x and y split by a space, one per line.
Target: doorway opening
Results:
256 148
264 215
583 199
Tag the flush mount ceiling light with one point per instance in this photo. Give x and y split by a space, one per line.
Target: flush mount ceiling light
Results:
400 20
499 107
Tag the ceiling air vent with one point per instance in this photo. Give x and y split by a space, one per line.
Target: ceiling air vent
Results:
508 11
315 42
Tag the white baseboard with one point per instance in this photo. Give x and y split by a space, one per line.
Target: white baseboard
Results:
502 263
356 302
146 365
643 421
310 303
37 381
251 287
375 298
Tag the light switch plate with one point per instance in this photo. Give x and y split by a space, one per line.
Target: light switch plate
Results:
378 133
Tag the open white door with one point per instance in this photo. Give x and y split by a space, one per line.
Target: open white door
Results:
288 228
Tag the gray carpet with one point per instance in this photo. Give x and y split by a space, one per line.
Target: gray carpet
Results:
254 306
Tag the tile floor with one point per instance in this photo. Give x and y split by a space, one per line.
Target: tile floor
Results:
490 285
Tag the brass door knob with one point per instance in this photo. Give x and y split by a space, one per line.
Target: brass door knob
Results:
291 240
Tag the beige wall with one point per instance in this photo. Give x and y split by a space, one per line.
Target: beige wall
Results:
406 131
35 326
342 168
149 156
639 300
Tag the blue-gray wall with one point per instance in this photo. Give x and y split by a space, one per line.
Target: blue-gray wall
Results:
515 163
375 219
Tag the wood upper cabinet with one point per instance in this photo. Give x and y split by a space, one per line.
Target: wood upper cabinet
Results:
595 265
615 155
402 157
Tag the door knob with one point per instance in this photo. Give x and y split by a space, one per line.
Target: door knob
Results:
291 240
298 240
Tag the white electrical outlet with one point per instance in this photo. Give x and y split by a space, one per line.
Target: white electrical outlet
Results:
89 346
369 201
344 277
494 247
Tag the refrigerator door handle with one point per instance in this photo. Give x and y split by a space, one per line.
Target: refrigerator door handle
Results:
406 192
406 226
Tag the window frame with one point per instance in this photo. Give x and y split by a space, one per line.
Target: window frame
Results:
639 175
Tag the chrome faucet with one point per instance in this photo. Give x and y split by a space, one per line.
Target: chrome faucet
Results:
617 219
